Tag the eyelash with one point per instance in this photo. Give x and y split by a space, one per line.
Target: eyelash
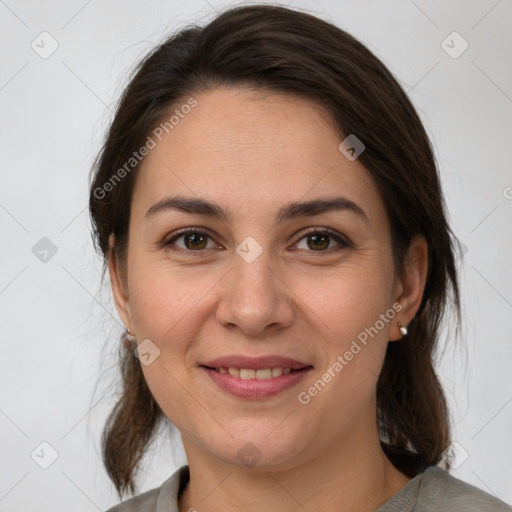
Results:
344 243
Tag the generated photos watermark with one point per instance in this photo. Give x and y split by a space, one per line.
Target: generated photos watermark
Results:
304 397
137 156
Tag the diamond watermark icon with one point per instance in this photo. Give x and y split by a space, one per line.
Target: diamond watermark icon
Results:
456 455
44 45
44 455
454 45
249 454
44 250
249 249
147 352
351 147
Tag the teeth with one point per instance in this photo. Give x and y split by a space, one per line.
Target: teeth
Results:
234 371
264 374
277 372
246 373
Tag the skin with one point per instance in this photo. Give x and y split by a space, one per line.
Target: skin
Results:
252 152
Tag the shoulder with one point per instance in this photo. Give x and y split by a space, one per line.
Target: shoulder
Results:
439 490
163 498
143 502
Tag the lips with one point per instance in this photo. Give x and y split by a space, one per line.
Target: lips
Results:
255 377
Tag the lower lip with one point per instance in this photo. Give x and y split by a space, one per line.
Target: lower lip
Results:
256 388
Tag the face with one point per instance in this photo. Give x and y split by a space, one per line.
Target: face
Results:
265 281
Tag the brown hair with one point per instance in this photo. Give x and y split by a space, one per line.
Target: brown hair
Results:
283 50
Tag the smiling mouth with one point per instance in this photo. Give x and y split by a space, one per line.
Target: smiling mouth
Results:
259 374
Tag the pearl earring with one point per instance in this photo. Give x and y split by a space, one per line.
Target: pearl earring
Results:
403 329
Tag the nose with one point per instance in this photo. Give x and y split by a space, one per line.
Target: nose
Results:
255 297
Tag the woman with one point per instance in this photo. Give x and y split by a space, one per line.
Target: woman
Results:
269 210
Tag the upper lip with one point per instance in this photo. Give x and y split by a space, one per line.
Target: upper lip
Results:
255 363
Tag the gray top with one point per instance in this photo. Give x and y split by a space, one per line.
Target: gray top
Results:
435 490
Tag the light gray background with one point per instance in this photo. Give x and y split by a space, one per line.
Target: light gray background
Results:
59 330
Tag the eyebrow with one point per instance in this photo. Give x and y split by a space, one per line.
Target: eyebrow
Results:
289 211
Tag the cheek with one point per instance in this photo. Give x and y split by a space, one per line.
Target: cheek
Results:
169 307
163 301
163 305
346 302
354 314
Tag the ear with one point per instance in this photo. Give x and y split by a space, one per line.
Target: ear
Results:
119 285
411 285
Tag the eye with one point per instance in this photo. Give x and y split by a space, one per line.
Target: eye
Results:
193 241
319 240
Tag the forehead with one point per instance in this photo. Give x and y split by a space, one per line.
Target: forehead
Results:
252 149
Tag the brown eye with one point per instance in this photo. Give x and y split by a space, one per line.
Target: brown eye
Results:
320 241
193 241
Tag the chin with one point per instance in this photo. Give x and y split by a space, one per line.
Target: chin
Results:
260 451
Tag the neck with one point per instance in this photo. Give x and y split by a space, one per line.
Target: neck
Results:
354 475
